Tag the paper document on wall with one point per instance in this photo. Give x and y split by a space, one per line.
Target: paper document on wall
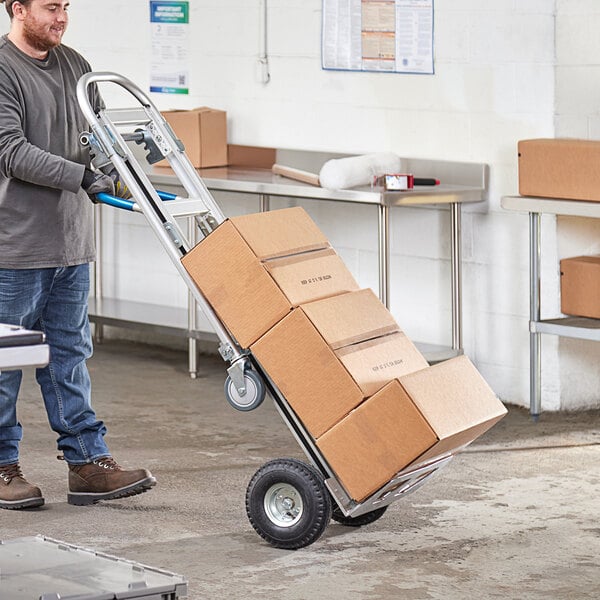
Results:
169 70
393 36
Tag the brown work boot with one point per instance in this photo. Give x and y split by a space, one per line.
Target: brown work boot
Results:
104 479
15 491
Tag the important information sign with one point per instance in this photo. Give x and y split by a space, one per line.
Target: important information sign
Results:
169 70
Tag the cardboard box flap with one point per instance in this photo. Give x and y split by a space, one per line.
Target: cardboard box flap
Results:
375 362
453 396
206 109
271 264
350 318
185 111
592 259
280 232
311 275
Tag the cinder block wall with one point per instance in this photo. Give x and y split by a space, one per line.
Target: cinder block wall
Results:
496 82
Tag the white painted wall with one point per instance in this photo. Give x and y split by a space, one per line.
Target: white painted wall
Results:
496 82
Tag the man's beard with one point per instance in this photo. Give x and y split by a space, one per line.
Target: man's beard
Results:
38 38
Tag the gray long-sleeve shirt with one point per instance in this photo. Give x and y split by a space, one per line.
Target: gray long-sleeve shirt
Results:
46 219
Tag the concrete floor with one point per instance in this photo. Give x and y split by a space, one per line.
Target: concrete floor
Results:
514 516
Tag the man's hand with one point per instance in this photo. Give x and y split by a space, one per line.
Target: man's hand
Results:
121 189
95 183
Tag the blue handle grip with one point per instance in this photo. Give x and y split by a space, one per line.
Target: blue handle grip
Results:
166 195
115 201
129 204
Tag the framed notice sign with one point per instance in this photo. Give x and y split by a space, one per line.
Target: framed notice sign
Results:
169 70
378 35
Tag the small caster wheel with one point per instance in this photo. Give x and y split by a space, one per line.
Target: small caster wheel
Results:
254 396
370 517
288 504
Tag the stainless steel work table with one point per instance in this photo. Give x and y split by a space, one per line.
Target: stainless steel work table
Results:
574 327
461 183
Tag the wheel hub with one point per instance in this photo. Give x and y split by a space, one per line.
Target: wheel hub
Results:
283 504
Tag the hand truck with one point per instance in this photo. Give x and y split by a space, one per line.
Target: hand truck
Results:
288 502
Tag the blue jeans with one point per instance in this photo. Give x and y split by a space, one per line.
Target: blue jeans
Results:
54 301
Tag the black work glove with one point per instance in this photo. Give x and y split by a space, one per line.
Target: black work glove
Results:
121 189
95 183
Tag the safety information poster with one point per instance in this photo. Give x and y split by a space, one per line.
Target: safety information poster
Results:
378 35
169 69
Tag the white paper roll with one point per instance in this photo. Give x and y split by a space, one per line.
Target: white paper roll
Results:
344 173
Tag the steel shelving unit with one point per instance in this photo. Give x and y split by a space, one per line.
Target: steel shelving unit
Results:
573 327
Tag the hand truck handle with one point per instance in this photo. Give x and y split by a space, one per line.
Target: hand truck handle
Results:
125 204
99 76
83 98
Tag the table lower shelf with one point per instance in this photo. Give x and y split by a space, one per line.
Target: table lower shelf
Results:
165 320
573 327
152 318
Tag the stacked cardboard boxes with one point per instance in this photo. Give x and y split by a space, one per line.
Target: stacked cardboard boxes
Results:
566 169
357 383
254 269
411 421
327 356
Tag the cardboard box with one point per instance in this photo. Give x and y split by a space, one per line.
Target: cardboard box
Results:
580 286
250 290
203 132
365 337
376 441
411 421
560 168
323 379
456 401
254 157
307 372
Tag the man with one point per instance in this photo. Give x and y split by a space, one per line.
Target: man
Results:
46 245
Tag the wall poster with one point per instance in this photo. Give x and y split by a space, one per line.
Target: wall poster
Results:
169 68
393 36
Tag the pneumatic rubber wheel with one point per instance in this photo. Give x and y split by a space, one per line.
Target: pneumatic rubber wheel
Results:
370 517
288 504
255 392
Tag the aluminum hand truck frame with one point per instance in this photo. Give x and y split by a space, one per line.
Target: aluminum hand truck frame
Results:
288 502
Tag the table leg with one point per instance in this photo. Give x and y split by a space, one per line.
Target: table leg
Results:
535 360
264 204
456 275
384 254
